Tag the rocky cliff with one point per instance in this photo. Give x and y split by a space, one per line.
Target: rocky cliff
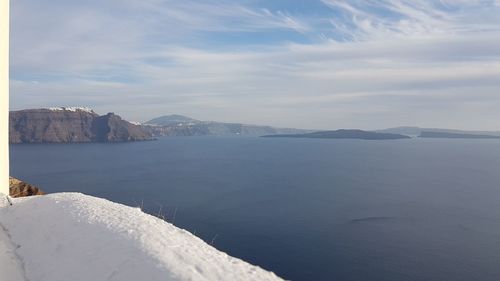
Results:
18 188
67 125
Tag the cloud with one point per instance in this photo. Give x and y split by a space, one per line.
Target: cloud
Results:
386 19
79 35
386 63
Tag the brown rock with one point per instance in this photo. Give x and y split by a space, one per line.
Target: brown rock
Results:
18 188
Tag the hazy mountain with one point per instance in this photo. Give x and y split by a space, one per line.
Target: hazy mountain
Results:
67 125
178 125
416 131
174 119
344 134
446 135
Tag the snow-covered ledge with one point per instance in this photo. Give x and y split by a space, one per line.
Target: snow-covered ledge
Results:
71 236
4 97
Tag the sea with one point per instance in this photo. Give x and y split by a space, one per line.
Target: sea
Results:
306 209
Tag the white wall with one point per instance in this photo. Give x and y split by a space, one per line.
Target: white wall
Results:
4 96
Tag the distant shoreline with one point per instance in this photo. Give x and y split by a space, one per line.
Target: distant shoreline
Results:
344 134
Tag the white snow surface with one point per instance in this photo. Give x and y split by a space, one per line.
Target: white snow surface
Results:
71 236
10 266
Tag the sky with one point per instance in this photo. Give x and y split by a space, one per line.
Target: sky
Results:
317 64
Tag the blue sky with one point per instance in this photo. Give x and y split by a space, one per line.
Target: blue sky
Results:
320 64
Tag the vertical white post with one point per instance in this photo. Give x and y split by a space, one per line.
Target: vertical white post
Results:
4 96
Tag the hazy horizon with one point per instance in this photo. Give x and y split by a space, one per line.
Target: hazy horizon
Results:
320 64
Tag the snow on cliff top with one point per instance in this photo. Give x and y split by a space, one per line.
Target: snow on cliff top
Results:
71 236
72 108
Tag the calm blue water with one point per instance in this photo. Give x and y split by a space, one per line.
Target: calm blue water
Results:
307 209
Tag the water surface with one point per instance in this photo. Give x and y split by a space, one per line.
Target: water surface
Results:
307 209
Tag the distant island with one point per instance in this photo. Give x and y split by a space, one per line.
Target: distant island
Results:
417 131
446 135
71 125
344 134
179 125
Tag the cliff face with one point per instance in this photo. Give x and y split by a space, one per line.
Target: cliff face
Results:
67 126
112 128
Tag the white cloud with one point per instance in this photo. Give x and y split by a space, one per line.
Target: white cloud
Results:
414 63
390 19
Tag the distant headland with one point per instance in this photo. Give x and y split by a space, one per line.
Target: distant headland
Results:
344 134
71 125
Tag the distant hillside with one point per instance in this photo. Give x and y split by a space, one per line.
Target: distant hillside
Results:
174 119
178 125
416 131
68 125
455 135
345 134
